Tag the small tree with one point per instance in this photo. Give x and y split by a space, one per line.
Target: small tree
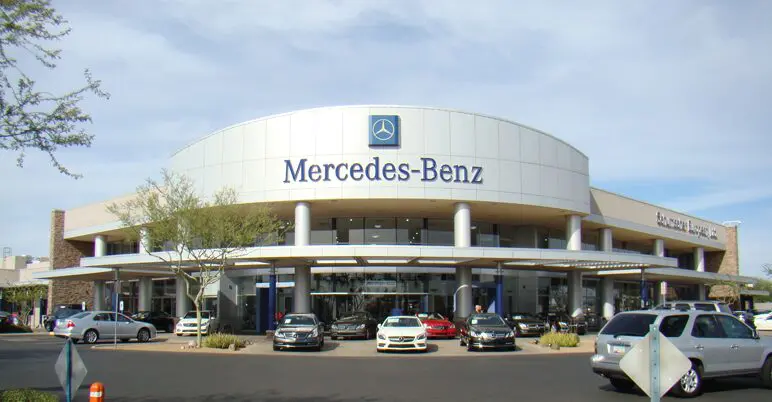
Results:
726 291
195 238
25 297
30 119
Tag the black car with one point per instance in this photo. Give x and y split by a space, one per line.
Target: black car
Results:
526 324
60 313
359 324
566 323
160 320
487 331
299 331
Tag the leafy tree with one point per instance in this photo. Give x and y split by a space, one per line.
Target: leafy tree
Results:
763 285
767 269
726 291
195 238
29 118
25 297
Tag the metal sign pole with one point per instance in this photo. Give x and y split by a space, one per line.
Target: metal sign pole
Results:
654 363
117 300
68 346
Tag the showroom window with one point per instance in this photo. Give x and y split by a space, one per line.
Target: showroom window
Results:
322 231
380 231
484 234
440 232
410 231
350 230
590 240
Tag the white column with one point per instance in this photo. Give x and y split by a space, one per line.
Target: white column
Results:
183 301
575 293
100 246
662 293
144 241
462 235
606 240
699 259
659 247
462 223
607 292
701 292
99 295
573 232
145 294
302 224
302 291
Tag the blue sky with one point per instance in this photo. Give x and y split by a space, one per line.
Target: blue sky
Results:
668 99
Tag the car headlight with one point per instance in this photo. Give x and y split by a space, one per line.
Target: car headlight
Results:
474 334
279 334
381 337
315 332
334 326
420 337
361 326
511 334
522 325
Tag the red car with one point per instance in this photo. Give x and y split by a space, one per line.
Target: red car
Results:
437 326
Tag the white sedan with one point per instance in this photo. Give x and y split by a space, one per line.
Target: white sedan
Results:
401 333
763 322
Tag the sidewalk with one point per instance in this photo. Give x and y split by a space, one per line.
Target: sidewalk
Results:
260 345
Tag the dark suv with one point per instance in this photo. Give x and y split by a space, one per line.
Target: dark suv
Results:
60 313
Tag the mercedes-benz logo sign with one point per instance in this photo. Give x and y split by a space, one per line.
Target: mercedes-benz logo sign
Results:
400 339
383 129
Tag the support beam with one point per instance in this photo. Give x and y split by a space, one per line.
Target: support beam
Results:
659 247
606 240
573 232
462 235
607 292
574 279
500 291
181 298
100 246
462 225
302 224
662 293
272 298
699 259
99 295
702 292
145 294
302 291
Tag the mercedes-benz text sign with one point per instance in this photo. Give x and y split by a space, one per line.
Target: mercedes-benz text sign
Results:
427 169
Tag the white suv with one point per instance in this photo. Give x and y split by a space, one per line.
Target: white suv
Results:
701 305
718 344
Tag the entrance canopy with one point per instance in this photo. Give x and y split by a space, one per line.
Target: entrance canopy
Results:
677 275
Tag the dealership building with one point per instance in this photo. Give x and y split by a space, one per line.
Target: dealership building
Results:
410 208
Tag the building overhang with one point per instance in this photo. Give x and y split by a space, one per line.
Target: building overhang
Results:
676 275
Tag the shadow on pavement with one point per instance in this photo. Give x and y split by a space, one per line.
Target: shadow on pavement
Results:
272 396
709 387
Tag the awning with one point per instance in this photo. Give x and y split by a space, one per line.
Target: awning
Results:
677 275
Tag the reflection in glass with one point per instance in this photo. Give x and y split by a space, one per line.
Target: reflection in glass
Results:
380 231
410 231
350 230
321 231
440 232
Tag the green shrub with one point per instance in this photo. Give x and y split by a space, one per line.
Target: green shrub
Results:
8 328
27 395
222 341
560 339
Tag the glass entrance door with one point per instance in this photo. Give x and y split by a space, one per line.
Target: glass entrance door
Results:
329 307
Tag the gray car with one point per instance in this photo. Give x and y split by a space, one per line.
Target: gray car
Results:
90 326
299 331
718 344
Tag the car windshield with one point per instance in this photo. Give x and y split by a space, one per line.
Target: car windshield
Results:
430 316
192 314
402 322
298 320
629 325
524 316
354 316
64 313
486 320
80 315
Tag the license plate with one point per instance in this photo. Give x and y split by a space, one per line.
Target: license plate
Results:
618 349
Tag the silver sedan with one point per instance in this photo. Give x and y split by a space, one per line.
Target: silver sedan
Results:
94 325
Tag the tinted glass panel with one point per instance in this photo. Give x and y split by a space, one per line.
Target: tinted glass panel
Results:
673 326
410 230
682 307
705 326
704 307
724 308
734 328
629 325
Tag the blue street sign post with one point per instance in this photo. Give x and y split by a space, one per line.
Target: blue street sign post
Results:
70 369
654 362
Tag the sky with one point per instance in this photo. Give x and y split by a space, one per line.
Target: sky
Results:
669 100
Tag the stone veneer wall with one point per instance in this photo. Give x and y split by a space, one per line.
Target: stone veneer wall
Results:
725 262
67 254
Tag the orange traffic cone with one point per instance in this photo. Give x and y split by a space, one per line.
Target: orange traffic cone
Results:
96 392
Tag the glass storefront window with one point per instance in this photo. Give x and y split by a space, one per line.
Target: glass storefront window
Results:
322 231
350 230
380 231
590 240
484 234
410 231
440 232
556 239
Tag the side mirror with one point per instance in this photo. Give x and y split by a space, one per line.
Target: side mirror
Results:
379 326
756 334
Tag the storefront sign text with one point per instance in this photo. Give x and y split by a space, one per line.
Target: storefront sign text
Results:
687 226
428 169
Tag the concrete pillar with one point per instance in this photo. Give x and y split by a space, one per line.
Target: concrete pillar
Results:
302 224
99 295
462 225
144 241
573 232
462 235
659 248
662 293
699 259
100 246
500 291
607 292
702 292
184 304
575 293
302 292
606 240
272 299
145 294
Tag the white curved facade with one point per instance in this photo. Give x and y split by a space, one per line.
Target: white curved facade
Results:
442 155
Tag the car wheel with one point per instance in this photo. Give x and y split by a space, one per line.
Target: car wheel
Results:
469 347
622 385
275 348
690 385
91 336
179 334
766 372
143 335
124 340
517 332
461 341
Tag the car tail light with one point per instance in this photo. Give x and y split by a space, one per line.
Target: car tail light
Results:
70 324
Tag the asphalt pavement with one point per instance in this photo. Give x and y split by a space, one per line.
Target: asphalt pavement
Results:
28 361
